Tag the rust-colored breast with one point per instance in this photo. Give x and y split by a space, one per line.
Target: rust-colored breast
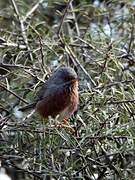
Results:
61 101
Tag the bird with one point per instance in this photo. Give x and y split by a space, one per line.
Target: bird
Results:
58 95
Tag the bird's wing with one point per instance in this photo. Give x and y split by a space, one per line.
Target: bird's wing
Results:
55 99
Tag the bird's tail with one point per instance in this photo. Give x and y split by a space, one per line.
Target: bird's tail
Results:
28 107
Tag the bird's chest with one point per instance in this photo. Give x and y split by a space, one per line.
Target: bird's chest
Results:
71 97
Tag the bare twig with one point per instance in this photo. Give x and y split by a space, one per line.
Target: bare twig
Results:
33 9
91 46
41 50
3 121
115 84
11 92
63 17
122 101
13 66
14 45
22 26
72 55
131 35
75 20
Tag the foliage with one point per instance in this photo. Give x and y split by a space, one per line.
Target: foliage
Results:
97 39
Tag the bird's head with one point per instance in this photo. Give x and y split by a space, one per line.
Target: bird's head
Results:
65 75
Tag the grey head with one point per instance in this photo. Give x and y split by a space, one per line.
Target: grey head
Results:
64 75
55 83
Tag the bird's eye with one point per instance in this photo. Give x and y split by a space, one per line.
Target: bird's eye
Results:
68 78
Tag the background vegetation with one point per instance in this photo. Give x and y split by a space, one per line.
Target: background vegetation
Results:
97 39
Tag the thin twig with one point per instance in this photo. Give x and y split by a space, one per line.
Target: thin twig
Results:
41 50
14 66
115 84
131 35
23 29
91 46
122 101
63 17
75 20
11 92
14 45
72 55
33 9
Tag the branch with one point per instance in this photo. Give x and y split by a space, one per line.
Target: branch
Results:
23 29
11 92
63 17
